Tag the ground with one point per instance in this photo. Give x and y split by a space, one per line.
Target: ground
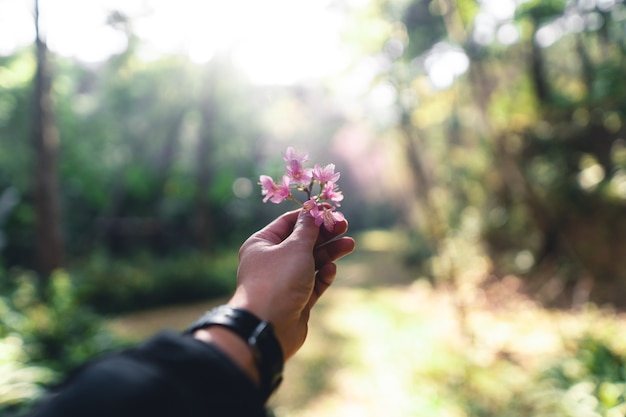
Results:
384 343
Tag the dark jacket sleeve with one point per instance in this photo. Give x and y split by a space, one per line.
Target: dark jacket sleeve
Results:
170 375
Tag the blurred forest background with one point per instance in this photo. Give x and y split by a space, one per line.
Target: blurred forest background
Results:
481 143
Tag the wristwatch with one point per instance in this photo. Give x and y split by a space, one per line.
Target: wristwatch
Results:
260 337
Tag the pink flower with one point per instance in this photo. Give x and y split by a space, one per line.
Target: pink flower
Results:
318 214
309 204
297 174
325 174
276 193
291 155
321 206
331 192
326 216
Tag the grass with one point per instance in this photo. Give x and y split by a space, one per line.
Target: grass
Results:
384 344
402 352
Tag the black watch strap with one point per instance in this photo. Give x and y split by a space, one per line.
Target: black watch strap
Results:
259 335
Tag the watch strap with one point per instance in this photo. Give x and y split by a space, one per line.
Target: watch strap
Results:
258 334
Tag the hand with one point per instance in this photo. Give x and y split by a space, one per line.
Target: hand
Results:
284 269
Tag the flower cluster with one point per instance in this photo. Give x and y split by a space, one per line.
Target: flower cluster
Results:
321 206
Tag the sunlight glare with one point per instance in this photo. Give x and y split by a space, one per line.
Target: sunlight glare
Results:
83 33
548 35
590 177
619 183
16 27
287 40
484 28
500 9
275 41
574 23
198 29
508 34
444 63
242 187
494 21
606 5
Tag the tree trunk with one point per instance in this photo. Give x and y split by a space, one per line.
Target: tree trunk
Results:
203 224
537 70
49 242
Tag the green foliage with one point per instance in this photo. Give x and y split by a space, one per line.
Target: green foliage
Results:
424 27
131 135
467 10
410 351
44 333
57 330
590 379
115 285
15 124
21 381
541 11
529 136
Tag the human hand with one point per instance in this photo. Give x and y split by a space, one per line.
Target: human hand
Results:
284 269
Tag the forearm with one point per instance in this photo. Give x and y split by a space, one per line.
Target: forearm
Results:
232 346
171 375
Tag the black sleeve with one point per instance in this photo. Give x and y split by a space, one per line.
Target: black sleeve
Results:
170 375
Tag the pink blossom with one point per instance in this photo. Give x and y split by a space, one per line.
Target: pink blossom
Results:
291 155
297 174
331 192
326 216
276 193
310 204
321 206
325 174
318 214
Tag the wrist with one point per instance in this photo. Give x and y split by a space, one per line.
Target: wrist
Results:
258 337
260 310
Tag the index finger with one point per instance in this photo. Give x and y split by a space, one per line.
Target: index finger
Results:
280 228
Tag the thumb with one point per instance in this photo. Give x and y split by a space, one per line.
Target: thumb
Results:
305 230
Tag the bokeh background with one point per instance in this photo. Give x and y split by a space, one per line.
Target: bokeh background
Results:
482 151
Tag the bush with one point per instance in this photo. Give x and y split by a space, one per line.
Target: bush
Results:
591 380
21 382
44 333
586 380
114 286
